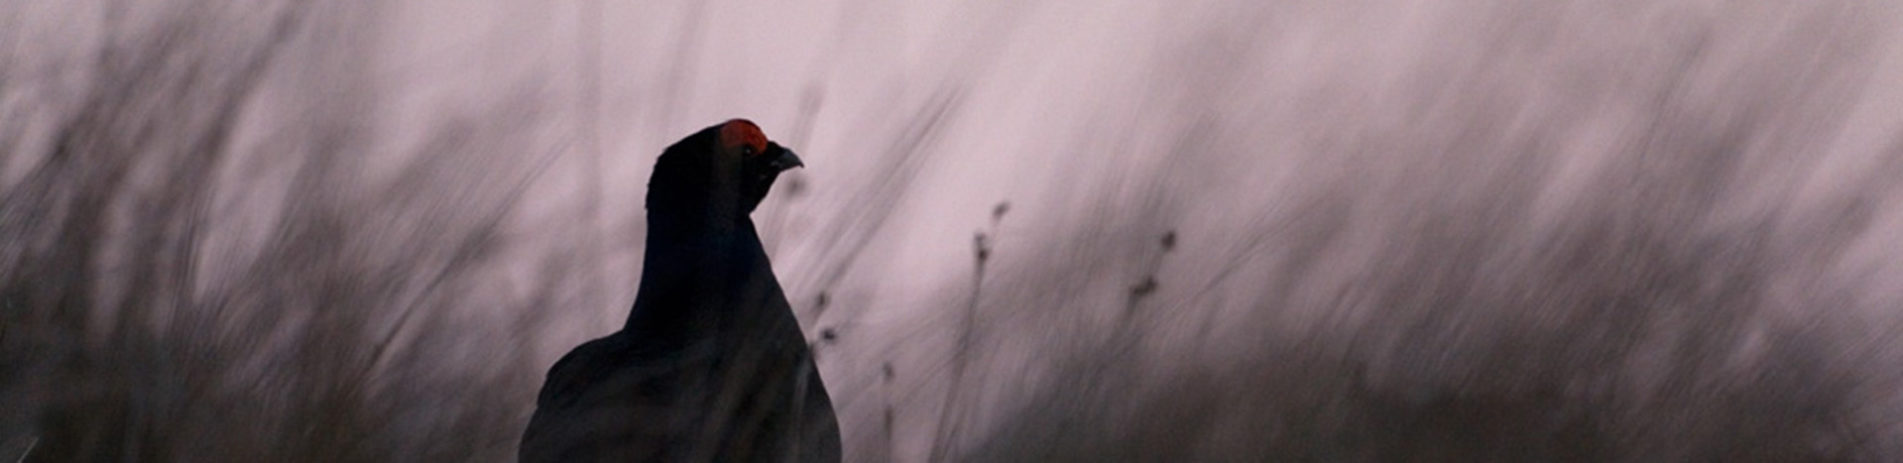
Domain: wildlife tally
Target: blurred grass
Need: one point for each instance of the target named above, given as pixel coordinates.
(1547, 235)
(334, 339)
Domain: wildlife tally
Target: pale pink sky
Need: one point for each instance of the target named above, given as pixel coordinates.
(1227, 120)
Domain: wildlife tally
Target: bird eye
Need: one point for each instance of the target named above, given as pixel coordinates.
(746, 151)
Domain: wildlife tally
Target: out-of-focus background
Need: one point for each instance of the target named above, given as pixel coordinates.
(1221, 230)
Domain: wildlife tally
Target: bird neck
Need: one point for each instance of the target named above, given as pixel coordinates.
(689, 272)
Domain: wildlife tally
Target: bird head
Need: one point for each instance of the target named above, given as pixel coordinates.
(725, 170)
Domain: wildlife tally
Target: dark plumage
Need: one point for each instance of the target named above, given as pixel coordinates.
(711, 365)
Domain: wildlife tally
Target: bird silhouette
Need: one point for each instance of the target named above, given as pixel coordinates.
(711, 365)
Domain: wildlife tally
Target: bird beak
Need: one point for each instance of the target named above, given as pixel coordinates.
(786, 160)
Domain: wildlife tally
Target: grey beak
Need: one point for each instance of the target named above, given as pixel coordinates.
(786, 160)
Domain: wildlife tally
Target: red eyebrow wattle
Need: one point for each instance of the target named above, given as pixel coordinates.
(741, 132)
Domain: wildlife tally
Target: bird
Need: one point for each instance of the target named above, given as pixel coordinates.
(711, 364)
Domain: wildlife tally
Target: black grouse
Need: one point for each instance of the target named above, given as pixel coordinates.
(711, 365)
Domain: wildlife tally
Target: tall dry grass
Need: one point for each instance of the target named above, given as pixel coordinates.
(1263, 231)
